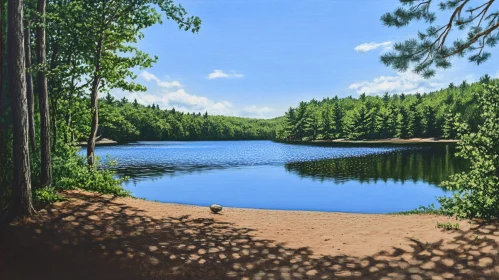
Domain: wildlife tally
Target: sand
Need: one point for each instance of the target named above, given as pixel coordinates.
(390, 141)
(125, 238)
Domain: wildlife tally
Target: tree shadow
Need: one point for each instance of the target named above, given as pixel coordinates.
(94, 237)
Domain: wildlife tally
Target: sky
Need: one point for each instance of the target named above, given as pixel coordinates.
(257, 58)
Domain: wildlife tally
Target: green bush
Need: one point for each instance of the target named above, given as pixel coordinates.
(477, 190)
(70, 171)
(47, 195)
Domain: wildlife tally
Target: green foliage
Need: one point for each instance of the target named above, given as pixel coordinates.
(448, 226)
(435, 114)
(125, 122)
(70, 172)
(422, 210)
(47, 195)
(477, 191)
(432, 48)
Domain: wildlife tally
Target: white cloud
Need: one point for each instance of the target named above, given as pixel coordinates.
(372, 46)
(256, 112)
(407, 83)
(218, 74)
(170, 95)
(173, 95)
(151, 77)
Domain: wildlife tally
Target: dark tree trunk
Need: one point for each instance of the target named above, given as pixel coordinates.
(94, 106)
(29, 89)
(41, 55)
(3, 145)
(54, 96)
(54, 125)
(21, 188)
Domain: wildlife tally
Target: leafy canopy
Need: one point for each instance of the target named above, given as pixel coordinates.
(432, 49)
(477, 191)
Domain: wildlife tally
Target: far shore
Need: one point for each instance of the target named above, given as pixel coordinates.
(100, 142)
(388, 141)
(93, 236)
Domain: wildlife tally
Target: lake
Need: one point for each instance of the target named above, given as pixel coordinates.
(269, 175)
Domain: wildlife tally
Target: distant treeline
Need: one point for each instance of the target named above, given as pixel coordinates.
(435, 114)
(125, 121)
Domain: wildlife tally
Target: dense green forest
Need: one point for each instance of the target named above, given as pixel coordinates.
(125, 121)
(434, 114)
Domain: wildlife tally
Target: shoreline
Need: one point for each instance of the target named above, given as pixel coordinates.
(128, 238)
(101, 142)
(388, 141)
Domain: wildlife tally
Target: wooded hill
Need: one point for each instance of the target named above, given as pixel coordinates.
(434, 114)
(125, 121)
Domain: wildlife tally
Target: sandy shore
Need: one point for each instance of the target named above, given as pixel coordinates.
(125, 238)
(391, 140)
(100, 142)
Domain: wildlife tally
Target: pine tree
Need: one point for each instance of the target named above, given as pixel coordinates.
(403, 123)
(21, 188)
(326, 125)
(430, 122)
(337, 115)
(432, 48)
(451, 125)
(300, 129)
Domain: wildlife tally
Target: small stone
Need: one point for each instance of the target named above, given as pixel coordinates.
(215, 208)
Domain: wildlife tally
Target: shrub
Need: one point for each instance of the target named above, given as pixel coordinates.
(70, 171)
(477, 190)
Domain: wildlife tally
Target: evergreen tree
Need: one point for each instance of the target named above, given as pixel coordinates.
(403, 124)
(432, 48)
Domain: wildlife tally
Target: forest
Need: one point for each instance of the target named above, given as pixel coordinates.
(433, 114)
(125, 121)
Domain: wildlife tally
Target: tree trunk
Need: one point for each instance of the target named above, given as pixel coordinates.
(41, 55)
(53, 96)
(94, 106)
(54, 125)
(29, 88)
(3, 144)
(21, 188)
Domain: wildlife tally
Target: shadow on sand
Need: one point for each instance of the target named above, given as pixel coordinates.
(98, 238)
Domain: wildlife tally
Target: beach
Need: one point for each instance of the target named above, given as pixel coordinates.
(93, 236)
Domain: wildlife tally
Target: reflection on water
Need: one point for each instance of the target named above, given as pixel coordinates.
(268, 175)
(431, 164)
(145, 160)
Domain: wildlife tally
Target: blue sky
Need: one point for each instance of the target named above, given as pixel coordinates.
(256, 58)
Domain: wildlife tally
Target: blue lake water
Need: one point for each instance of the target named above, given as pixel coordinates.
(269, 175)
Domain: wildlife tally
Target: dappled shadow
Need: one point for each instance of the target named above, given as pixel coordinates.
(99, 238)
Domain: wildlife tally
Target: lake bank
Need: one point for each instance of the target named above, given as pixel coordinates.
(102, 237)
(100, 142)
(375, 142)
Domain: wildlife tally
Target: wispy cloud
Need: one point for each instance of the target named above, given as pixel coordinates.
(219, 74)
(256, 112)
(171, 94)
(366, 47)
(408, 83)
(151, 77)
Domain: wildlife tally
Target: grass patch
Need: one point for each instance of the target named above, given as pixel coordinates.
(421, 210)
(47, 196)
(448, 226)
